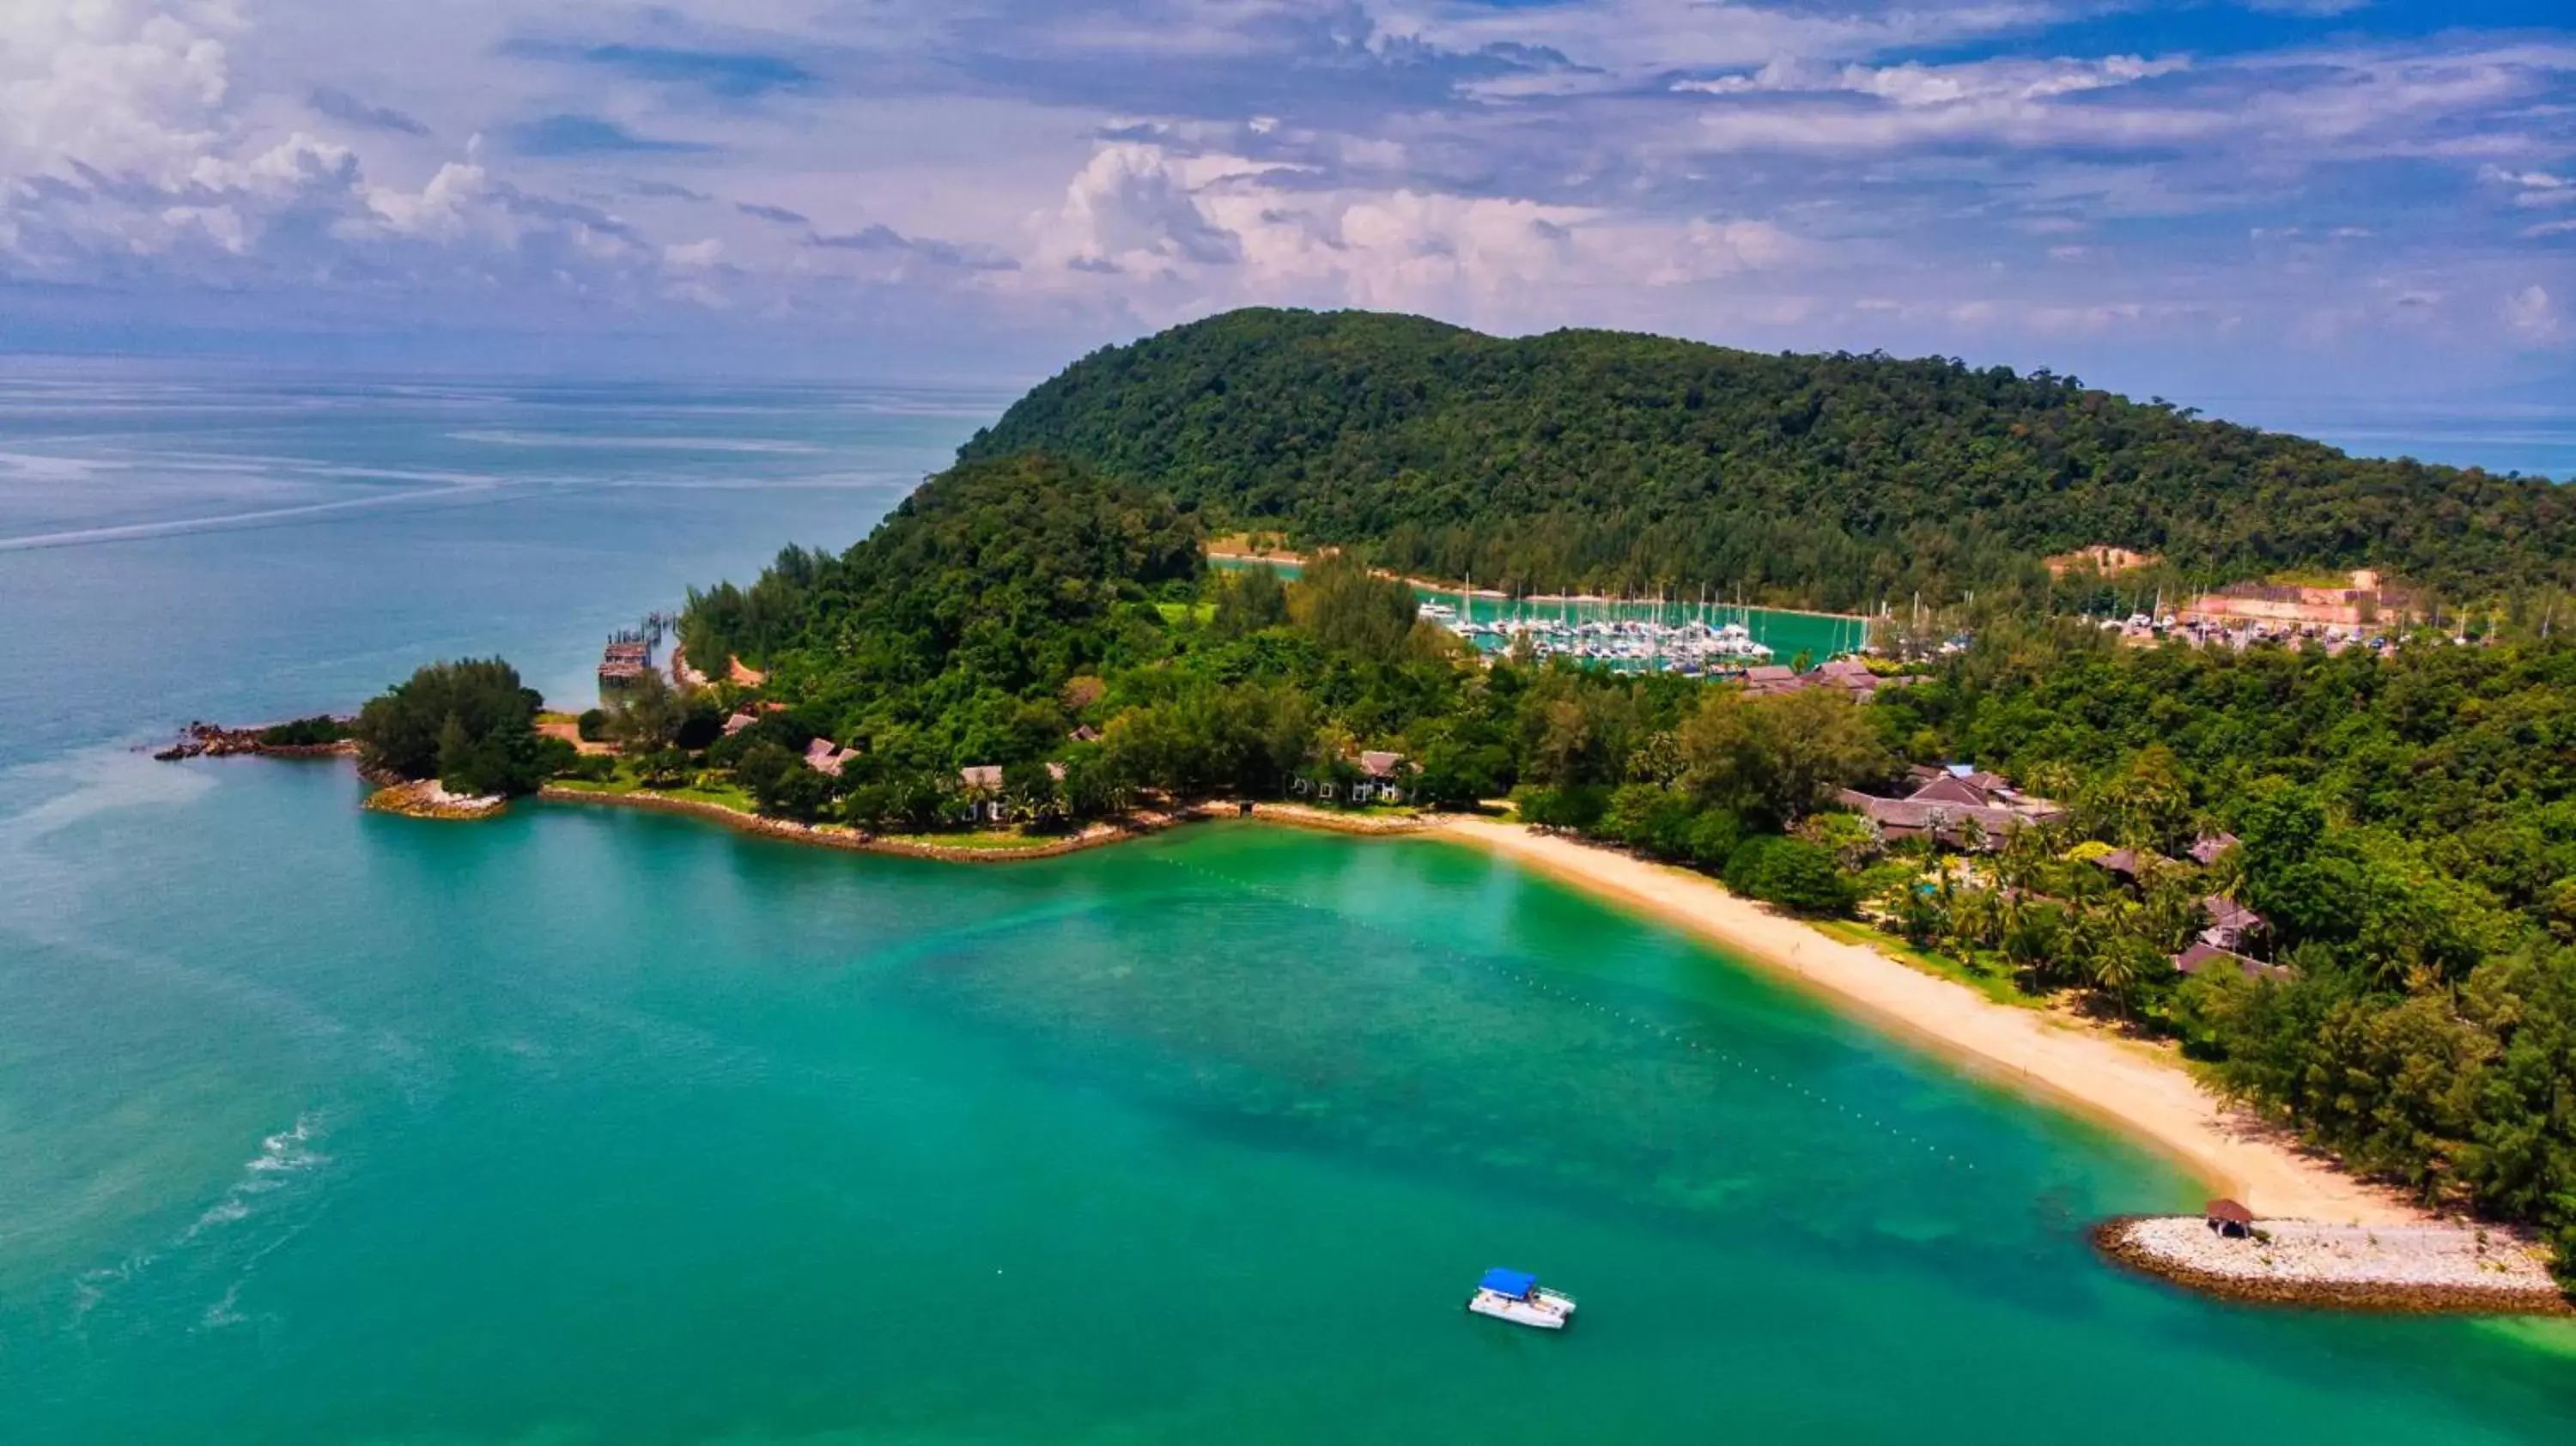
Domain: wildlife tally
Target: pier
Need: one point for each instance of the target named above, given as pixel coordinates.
(629, 654)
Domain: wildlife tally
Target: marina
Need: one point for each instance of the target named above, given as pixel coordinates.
(1695, 637)
(1698, 636)
(1693, 648)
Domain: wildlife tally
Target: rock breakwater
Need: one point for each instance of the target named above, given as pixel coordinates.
(212, 740)
(2432, 1268)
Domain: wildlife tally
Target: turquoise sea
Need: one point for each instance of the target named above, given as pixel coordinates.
(589, 1127)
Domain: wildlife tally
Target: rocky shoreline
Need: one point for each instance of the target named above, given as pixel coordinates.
(209, 740)
(839, 837)
(428, 798)
(2404, 1269)
(1096, 836)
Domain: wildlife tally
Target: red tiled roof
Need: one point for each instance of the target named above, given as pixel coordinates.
(1951, 789)
(2200, 956)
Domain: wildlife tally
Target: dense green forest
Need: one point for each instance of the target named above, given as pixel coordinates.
(2409, 831)
(1620, 462)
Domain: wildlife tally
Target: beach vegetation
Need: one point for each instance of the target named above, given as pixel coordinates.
(1799, 876)
(315, 732)
(471, 724)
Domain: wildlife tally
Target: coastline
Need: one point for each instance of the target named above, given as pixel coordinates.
(2131, 1087)
(2126, 1085)
(1099, 835)
(839, 837)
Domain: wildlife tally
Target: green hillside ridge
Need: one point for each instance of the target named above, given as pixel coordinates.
(1608, 461)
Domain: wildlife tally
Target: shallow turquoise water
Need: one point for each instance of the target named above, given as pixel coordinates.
(584, 1126)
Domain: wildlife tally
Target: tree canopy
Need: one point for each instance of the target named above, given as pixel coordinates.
(470, 724)
(1591, 459)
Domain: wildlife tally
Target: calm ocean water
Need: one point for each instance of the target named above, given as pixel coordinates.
(582, 1127)
(2534, 438)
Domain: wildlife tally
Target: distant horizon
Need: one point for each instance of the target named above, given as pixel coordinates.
(2477, 429)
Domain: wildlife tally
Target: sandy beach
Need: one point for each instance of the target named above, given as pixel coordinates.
(2128, 1085)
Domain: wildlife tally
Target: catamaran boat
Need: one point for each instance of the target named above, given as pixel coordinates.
(1516, 1296)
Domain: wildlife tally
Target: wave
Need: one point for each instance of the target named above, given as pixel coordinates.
(228, 521)
(45, 467)
(758, 445)
(282, 1156)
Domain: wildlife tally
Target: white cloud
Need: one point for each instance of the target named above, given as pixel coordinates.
(128, 87)
(2533, 188)
(1189, 231)
(1917, 84)
(1703, 166)
(694, 255)
(2531, 315)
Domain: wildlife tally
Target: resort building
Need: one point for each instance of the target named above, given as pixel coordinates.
(2203, 955)
(2224, 942)
(2127, 865)
(2232, 929)
(1946, 802)
(824, 756)
(982, 785)
(1384, 780)
(1850, 675)
(2231, 924)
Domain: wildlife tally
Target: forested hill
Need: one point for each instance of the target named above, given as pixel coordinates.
(1619, 461)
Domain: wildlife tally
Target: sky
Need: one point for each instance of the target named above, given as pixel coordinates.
(2336, 199)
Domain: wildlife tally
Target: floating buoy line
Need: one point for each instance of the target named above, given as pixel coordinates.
(1547, 988)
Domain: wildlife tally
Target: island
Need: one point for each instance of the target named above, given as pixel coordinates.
(2290, 898)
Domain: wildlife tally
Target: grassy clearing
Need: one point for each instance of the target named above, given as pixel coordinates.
(992, 840)
(624, 785)
(1987, 978)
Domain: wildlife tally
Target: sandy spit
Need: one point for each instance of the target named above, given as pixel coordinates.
(2128, 1085)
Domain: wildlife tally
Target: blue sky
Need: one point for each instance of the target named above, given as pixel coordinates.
(2337, 199)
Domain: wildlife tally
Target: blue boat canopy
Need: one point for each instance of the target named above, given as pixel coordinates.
(1510, 1282)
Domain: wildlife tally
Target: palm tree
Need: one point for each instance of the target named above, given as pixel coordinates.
(2118, 968)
